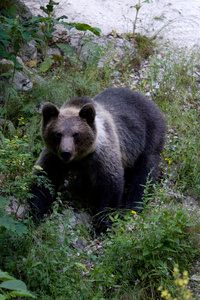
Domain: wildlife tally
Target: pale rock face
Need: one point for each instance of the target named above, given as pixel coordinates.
(177, 20)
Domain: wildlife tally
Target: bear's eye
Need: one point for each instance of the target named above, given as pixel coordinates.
(76, 136)
(58, 135)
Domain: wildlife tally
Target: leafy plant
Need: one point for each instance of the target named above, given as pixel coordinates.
(13, 34)
(138, 7)
(7, 222)
(58, 259)
(180, 282)
(173, 81)
(11, 287)
(145, 248)
(47, 25)
(55, 265)
(15, 163)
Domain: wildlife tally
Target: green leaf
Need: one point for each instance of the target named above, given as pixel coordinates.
(4, 276)
(81, 266)
(4, 201)
(45, 65)
(20, 228)
(62, 17)
(84, 27)
(66, 48)
(14, 284)
(81, 27)
(44, 9)
(168, 249)
(24, 293)
(68, 26)
(38, 168)
(2, 51)
(49, 8)
(2, 297)
(36, 264)
(7, 75)
(145, 252)
(9, 223)
(48, 34)
(4, 35)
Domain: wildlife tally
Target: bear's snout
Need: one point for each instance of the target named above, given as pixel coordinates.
(66, 155)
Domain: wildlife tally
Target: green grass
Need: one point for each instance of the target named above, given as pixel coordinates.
(59, 259)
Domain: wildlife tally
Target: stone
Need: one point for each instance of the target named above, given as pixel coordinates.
(22, 82)
(53, 51)
(29, 51)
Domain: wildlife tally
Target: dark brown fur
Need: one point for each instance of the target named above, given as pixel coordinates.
(114, 139)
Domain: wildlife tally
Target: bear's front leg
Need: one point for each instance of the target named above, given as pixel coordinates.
(46, 183)
(107, 178)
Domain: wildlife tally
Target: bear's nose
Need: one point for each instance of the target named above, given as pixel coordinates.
(65, 155)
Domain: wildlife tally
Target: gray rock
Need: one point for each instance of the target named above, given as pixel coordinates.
(110, 49)
(29, 51)
(195, 278)
(22, 82)
(14, 207)
(53, 51)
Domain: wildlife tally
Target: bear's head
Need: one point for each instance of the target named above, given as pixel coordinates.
(69, 133)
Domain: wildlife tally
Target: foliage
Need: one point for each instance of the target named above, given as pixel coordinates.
(143, 249)
(137, 8)
(55, 265)
(14, 34)
(172, 81)
(47, 26)
(17, 287)
(58, 259)
(15, 161)
(8, 223)
(182, 292)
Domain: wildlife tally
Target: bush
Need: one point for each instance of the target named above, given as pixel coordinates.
(143, 250)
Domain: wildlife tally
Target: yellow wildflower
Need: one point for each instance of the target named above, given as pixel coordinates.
(165, 294)
(168, 160)
(176, 271)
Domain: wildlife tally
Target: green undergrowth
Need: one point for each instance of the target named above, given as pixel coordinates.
(176, 90)
(59, 259)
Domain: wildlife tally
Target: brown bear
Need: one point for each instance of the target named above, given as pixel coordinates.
(112, 140)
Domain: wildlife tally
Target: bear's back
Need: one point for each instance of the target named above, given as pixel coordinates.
(77, 102)
(139, 123)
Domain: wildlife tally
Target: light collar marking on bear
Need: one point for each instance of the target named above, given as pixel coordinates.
(101, 131)
(105, 133)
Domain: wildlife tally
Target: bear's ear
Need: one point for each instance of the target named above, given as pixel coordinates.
(88, 113)
(49, 111)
